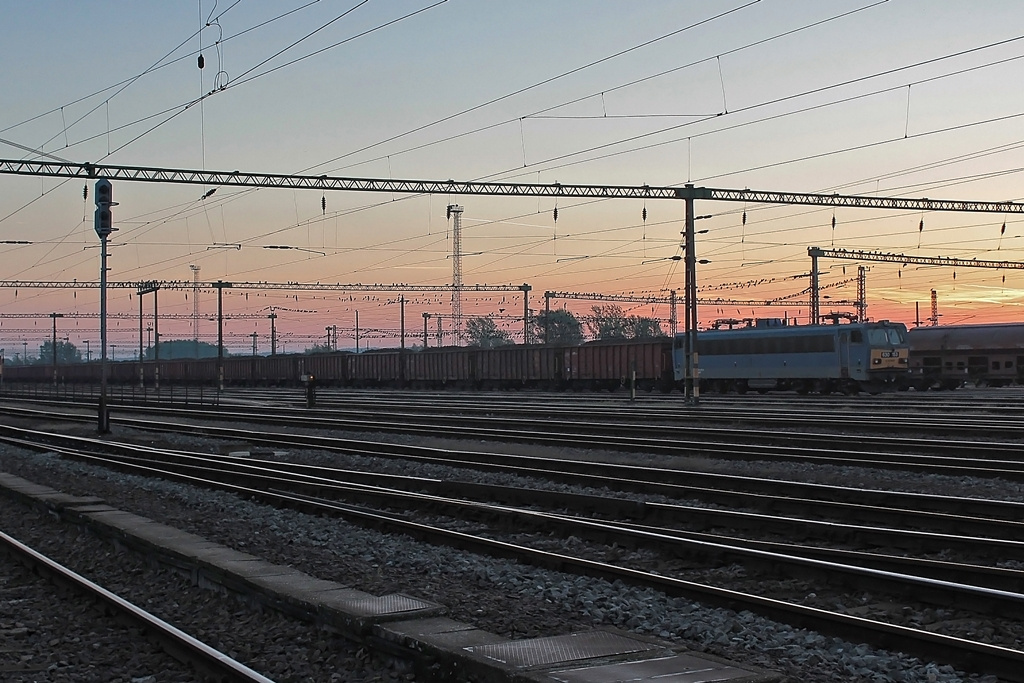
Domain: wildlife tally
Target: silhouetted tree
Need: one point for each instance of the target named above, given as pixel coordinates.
(66, 353)
(610, 322)
(483, 332)
(558, 327)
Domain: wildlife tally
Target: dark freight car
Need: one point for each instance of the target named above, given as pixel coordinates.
(946, 356)
(374, 368)
(514, 367)
(439, 368)
(611, 365)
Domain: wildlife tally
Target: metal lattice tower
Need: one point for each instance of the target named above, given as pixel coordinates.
(455, 212)
(195, 303)
(862, 289)
(935, 309)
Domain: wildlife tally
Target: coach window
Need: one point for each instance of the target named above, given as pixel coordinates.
(995, 365)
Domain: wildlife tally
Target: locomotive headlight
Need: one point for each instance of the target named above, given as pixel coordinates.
(876, 361)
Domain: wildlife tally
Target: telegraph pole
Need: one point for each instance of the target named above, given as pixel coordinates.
(220, 285)
(691, 387)
(55, 316)
(273, 333)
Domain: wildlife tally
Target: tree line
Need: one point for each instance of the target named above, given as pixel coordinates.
(608, 322)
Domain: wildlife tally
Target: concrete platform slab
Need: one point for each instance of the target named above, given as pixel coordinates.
(293, 583)
(437, 633)
(676, 668)
(392, 605)
(534, 652)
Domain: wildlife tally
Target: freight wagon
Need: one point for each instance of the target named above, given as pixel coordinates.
(947, 356)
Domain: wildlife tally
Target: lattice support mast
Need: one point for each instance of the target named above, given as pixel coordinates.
(862, 290)
(195, 303)
(455, 213)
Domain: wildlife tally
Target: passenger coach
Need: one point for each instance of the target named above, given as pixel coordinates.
(823, 358)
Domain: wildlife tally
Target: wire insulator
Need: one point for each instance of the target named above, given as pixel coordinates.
(744, 217)
(85, 195)
(643, 214)
(920, 227)
(833, 221)
(1003, 231)
(202, 62)
(323, 204)
(555, 214)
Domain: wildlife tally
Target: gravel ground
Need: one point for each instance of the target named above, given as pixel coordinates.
(498, 596)
(62, 637)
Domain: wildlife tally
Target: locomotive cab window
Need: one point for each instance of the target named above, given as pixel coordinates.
(856, 337)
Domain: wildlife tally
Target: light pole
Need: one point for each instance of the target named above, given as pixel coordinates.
(220, 285)
(151, 288)
(401, 301)
(526, 312)
(273, 333)
(54, 316)
(88, 356)
(426, 317)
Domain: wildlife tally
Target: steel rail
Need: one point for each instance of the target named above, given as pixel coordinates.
(370, 485)
(672, 440)
(590, 435)
(670, 421)
(849, 502)
(175, 642)
(985, 657)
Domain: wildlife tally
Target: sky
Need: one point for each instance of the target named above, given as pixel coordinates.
(890, 98)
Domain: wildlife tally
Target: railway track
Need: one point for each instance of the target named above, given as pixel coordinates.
(190, 651)
(277, 482)
(954, 457)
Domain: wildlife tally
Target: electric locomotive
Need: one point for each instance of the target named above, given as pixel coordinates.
(771, 355)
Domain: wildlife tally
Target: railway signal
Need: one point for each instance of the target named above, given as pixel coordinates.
(104, 225)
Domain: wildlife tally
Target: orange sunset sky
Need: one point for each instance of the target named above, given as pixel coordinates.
(893, 98)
